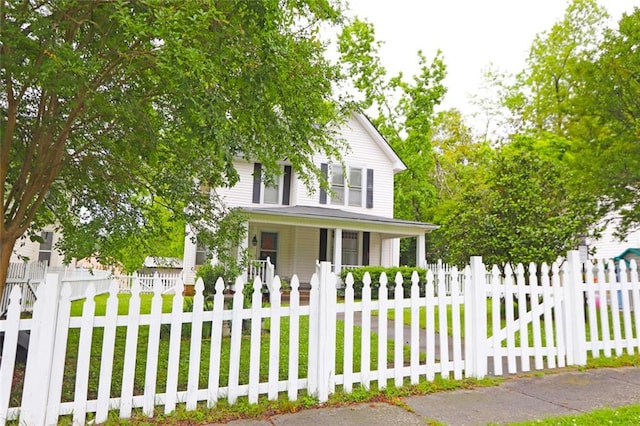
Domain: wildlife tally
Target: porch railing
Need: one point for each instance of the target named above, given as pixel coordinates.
(263, 269)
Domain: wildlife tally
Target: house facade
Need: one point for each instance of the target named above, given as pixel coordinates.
(351, 225)
(39, 251)
(609, 246)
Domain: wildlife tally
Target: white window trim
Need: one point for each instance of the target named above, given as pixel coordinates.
(330, 245)
(347, 186)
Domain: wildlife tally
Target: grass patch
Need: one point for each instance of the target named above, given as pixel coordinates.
(606, 416)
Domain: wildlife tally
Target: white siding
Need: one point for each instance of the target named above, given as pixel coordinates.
(609, 246)
(366, 154)
(25, 248)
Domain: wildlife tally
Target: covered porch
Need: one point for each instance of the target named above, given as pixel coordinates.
(295, 238)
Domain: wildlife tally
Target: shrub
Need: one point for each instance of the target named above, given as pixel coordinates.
(210, 275)
(376, 271)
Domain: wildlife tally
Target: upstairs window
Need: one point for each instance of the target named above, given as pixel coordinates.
(276, 192)
(346, 193)
(46, 245)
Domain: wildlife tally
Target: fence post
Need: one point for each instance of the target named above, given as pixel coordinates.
(326, 319)
(574, 309)
(39, 362)
(475, 300)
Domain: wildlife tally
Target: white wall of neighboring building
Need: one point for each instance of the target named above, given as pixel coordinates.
(609, 246)
(25, 249)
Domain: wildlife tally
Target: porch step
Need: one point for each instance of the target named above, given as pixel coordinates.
(304, 297)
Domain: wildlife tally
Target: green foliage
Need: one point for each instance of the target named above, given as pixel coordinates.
(522, 213)
(404, 113)
(113, 108)
(376, 271)
(210, 275)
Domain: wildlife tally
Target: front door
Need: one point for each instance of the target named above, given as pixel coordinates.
(269, 247)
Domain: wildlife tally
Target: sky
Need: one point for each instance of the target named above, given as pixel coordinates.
(472, 35)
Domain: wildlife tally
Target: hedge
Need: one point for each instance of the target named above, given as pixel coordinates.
(376, 271)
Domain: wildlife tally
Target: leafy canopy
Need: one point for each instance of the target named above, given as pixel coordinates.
(113, 110)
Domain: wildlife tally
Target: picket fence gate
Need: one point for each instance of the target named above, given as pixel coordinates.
(567, 309)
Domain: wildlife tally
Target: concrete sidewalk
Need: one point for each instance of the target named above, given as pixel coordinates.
(517, 399)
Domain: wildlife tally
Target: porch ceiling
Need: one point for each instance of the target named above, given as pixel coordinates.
(323, 217)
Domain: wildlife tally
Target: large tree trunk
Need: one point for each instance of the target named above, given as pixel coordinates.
(6, 248)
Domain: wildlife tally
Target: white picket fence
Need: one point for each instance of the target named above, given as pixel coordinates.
(533, 317)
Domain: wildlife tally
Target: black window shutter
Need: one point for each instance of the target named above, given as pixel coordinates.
(366, 241)
(369, 188)
(324, 168)
(322, 255)
(286, 187)
(257, 181)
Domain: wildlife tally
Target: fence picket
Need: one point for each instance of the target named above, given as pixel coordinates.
(382, 331)
(108, 348)
(314, 329)
(84, 357)
(535, 308)
(130, 351)
(497, 289)
(522, 311)
(153, 347)
(195, 346)
(294, 338)
(236, 341)
(430, 333)
(508, 299)
(614, 299)
(365, 336)
(173, 361)
(256, 342)
(348, 334)
(274, 340)
(9, 349)
(626, 312)
(443, 325)
(398, 347)
(455, 324)
(603, 291)
(635, 291)
(592, 313)
(559, 314)
(415, 329)
(216, 343)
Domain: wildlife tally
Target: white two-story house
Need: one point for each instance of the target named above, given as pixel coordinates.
(350, 225)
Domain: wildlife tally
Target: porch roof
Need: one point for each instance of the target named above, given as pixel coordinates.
(324, 217)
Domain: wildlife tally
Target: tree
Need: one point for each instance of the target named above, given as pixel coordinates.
(608, 123)
(523, 212)
(544, 92)
(404, 116)
(114, 110)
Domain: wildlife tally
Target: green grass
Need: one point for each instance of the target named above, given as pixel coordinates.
(606, 416)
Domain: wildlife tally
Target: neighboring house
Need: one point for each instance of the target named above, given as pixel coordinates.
(161, 265)
(351, 225)
(609, 246)
(27, 250)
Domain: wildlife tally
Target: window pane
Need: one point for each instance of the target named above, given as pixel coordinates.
(336, 175)
(349, 248)
(338, 196)
(355, 197)
(271, 194)
(355, 178)
(47, 241)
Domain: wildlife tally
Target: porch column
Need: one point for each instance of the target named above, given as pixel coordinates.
(337, 251)
(420, 251)
(189, 256)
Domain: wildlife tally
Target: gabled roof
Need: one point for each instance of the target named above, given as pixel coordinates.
(397, 163)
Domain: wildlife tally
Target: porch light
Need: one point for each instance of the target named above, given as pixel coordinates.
(254, 241)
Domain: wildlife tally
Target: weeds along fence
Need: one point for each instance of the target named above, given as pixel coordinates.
(146, 354)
